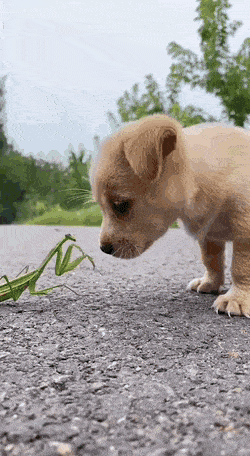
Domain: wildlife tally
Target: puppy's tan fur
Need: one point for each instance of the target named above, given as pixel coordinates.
(153, 171)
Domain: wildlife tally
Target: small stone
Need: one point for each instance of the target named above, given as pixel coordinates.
(63, 449)
(9, 447)
(2, 396)
(96, 386)
(161, 452)
(44, 385)
(3, 354)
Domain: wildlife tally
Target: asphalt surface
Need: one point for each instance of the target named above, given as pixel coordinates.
(134, 366)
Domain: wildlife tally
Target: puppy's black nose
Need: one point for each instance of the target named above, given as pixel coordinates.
(107, 248)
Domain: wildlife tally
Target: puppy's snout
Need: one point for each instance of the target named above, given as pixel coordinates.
(107, 248)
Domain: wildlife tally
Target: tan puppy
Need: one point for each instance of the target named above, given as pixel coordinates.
(153, 171)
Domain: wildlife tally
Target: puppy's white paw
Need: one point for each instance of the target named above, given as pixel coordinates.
(234, 302)
(203, 285)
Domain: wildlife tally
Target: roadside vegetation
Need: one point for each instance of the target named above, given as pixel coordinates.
(56, 216)
(35, 191)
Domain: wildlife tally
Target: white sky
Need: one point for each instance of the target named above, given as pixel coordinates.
(69, 61)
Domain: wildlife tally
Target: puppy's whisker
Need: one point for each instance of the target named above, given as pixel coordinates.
(132, 254)
(119, 250)
(82, 195)
(137, 249)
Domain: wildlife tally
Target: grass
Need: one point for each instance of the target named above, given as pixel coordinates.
(85, 217)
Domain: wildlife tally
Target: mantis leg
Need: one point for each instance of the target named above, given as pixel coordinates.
(11, 292)
(26, 268)
(63, 265)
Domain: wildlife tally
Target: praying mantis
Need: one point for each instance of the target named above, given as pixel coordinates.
(14, 288)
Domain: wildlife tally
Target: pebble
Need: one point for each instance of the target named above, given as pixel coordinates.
(63, 449)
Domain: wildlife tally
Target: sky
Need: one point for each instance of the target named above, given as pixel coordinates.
(67, 62)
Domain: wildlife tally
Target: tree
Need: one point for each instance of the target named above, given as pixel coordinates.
(10, 193)
(11, 190)
(190, 115)
(114, 126)
(134, 105)
(219, 72)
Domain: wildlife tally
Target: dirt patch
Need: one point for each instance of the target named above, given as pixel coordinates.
(134, 367)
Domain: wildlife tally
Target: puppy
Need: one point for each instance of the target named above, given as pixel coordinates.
(153, 171)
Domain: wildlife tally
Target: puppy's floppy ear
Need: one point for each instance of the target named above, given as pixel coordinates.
(146, 151)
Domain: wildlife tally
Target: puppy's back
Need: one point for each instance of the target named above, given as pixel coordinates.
(218, 147)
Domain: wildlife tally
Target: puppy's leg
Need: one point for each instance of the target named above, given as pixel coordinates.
(237, 300)
(213, 258)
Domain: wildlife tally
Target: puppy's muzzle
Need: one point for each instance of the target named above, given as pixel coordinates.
(120, 250)
(124, 249)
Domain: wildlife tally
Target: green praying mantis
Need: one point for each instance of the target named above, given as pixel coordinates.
(14, 288)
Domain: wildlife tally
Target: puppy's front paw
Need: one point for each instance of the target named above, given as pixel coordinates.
(204, 285)
(234, 302)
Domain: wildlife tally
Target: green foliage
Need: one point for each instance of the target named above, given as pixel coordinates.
(190, 115)
(3, 142)
(50, 184)
(34, 186)
(214, 33)
(188, 70)
(91, 216)
(29, 187)
(133, 106)
(10, 193)
(78, 188)
(220, 72)
(39, 182)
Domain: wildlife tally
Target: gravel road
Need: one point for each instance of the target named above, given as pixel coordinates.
(135, 366)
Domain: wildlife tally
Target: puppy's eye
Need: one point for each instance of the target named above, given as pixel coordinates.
(121, 207)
